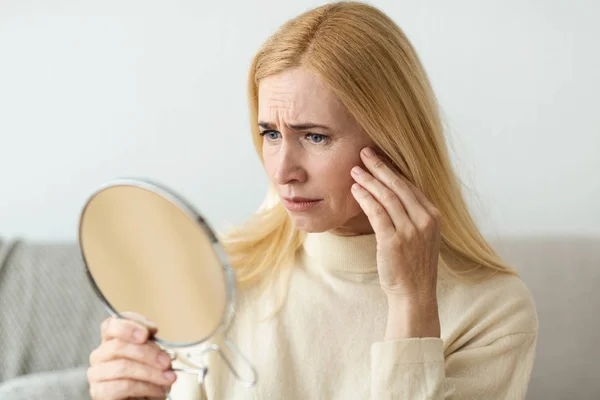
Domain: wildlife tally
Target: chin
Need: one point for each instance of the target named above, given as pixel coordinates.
(316, 223)
(312, 224)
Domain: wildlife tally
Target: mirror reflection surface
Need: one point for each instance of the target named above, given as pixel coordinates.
(149, 253)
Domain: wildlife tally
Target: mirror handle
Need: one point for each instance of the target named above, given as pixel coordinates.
(233, 348)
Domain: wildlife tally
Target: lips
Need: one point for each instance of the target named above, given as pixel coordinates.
(298, 203)
(298, 199)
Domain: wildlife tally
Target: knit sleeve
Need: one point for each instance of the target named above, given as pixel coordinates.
(417, 369)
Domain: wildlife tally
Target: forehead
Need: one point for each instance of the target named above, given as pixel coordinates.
(298, 96)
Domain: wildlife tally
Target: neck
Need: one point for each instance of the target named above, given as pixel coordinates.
(353, 254)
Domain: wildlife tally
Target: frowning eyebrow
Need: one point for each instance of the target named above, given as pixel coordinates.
(297, 127)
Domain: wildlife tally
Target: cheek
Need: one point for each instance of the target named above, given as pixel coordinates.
(339, 183)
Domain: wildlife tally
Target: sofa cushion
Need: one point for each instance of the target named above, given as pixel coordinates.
(563, 275)
(50, 317)
(69, 384)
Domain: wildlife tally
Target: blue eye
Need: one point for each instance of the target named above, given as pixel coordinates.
(316, 137)
(270, 134)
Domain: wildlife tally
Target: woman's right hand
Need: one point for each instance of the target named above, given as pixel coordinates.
(127, 364)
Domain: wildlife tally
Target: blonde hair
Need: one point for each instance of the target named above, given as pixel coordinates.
(370, 65)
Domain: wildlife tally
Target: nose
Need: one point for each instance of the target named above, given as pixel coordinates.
(289, 168)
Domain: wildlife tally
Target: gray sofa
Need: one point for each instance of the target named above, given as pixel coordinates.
(49, 321)
(50, 317)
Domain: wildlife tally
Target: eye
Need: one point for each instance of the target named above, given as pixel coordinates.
(270, 134)
(316, 137)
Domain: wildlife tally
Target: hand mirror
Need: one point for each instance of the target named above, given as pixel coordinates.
(147, 250)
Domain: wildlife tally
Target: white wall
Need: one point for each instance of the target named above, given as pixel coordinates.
(90, 91)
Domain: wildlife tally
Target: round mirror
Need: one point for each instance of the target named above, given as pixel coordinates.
(148, 251)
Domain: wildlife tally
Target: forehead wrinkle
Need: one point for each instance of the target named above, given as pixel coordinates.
(285, 106)
(280, 98)
(297, 101)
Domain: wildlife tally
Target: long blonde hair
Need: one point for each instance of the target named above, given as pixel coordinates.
(371, 66)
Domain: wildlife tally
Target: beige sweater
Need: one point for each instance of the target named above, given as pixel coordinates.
(327, 342)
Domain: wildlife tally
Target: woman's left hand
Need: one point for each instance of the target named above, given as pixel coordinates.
(407, 229)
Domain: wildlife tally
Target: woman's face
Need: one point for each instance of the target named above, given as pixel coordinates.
(310, 144)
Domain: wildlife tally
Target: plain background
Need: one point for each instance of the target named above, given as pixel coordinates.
(94, 90)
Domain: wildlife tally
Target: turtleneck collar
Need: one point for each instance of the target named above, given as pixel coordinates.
(342, 254)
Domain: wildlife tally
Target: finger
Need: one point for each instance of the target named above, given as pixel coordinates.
(142, 319)
(396, 183)
(127, 369)
(148, 353)
(127, 330)
(421, 197)
(433, 211)
(127, 388)
(378, 216)
(383, 195)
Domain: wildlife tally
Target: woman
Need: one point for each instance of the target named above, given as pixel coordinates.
(364, 275)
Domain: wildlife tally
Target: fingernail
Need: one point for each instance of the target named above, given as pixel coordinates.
(149, 322)
(356, 170)
(169, 375)
(368, 152)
